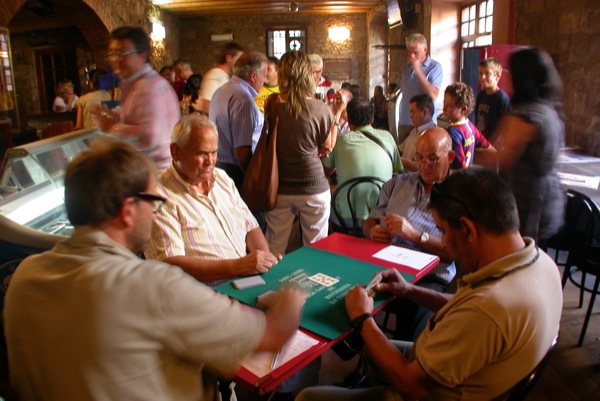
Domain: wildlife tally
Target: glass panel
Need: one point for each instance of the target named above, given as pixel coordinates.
(472, 12)
(472, 28)
(489, 24)
(484, 40)
(465, 14)
(464, 30)
(482, 9)
(481, 25)
(490, 7)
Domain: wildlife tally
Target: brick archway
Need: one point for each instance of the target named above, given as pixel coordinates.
(94, 18)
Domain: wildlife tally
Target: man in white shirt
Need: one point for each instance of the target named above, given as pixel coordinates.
(218, 76)
(421, 113)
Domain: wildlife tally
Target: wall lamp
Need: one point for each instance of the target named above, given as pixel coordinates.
(339, 34)
(158, 32)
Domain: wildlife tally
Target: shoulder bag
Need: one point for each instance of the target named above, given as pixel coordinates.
(261, 182)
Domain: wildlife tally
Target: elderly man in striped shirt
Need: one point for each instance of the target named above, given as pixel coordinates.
(402, 218)
(205, 227)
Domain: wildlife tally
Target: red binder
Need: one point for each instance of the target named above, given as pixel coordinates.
(363, 250)
(277, 376)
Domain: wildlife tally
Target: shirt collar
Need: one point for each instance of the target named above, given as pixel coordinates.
(245, 84)
(503, 266)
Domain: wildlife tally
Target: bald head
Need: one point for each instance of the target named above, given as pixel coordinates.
(434, 155)
(438, 138)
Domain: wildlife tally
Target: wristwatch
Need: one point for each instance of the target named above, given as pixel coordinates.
(424, 237)
(357, 323)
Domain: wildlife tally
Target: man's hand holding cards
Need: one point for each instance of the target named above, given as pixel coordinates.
(370, 288)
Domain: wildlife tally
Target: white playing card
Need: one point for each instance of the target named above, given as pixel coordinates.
(323, 279)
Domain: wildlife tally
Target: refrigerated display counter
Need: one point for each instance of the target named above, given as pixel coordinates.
(32, 212)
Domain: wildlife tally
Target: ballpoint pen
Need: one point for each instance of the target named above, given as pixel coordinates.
(275, 359)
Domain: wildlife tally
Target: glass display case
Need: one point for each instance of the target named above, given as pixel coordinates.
(32, 188)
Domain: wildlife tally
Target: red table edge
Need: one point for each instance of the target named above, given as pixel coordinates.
(271, 381)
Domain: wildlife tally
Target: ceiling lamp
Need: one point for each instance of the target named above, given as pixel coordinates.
(339, 34)
(293, 7)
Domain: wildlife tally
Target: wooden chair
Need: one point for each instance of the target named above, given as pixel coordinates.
(59, 128)
(583, 231)
(354, 226)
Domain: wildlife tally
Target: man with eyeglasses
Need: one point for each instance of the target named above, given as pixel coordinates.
(487, 337)
(90, 320)
(206, 228)
(149, 107)
(401, 218)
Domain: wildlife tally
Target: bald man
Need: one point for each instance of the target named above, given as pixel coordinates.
(402, 218)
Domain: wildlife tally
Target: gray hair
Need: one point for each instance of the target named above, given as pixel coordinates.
(416, 38)
(248, 63)
(315, 59)
(183, 129)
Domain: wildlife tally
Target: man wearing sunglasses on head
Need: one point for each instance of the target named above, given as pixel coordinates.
(401, 218)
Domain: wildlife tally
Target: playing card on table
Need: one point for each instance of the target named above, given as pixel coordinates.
(323, 279)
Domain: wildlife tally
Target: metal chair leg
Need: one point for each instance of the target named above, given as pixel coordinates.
(582, 289)
(589, 311)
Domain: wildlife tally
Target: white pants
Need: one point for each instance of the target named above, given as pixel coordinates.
(314, 219)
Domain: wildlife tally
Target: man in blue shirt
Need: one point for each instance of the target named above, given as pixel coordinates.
(420, 74)
(238, 119)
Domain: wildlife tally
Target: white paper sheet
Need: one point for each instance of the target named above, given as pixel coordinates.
(260, 363)
(575, 180)
(405, 257)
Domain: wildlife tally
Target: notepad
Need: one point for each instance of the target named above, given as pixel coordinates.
(260, 362)
(405, 257)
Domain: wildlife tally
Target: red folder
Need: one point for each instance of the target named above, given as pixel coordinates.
(277, 376)
(363, 250)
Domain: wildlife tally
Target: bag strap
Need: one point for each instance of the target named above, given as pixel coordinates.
(378, 142)
(271, 110)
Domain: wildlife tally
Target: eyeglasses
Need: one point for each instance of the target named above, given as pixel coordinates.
(437, 193)
(430, 160)
(157, 201)
(123, 54)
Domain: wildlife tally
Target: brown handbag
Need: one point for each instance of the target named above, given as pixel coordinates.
(261, 183)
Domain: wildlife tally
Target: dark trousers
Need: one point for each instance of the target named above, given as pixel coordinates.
(411, 319)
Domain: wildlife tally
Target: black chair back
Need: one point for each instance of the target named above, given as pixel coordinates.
(352, 199)
(523, 388)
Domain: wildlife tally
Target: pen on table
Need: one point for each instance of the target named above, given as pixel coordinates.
(275, 359)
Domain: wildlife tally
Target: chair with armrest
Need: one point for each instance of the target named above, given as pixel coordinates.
(522, 389)
(348, 194)
(583, 230)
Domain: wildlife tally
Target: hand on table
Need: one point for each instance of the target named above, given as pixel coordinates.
(257, 262)
(358, 302)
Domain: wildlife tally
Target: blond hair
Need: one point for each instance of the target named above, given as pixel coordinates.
(296, 81)
(493, 64)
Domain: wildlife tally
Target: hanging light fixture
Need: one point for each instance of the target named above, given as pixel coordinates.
(293, 7)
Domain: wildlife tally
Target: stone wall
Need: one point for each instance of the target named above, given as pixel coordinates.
(570, 32)
(250, 32)
(23, 47)
(378, 57)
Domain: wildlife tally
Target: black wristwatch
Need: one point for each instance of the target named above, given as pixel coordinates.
(357, 323)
